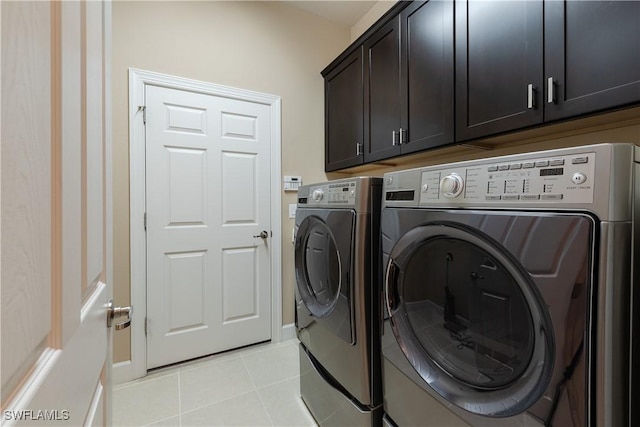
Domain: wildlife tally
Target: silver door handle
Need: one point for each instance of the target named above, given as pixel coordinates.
(550, 94)
(263, 235)
(115, 312)
(530, 98)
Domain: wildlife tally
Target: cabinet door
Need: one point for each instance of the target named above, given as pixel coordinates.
(498, 55)
(427, 75)
(382, 93)
(592, 55)
(344, 114)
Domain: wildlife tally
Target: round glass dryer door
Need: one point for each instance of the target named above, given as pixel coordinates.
(323, 252)
(469, 319)
(319, 262)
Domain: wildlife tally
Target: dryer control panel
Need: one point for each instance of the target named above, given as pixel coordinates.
(342, 193)
(566, 179)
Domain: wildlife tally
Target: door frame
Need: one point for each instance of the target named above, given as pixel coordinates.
(138, 80)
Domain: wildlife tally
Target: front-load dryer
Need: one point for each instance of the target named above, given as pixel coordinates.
(338, 300)
(508, 288)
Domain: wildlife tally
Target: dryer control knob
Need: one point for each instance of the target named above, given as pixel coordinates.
(317, 195)
(451, 185)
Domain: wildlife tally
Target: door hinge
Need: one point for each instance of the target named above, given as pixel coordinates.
(145, 326)
(144, 113)
(145, 221)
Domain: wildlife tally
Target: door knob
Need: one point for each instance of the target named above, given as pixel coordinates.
(263, 235)
(115, 312)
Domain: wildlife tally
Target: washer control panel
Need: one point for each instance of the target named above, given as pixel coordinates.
(342, 193)
(567, 179)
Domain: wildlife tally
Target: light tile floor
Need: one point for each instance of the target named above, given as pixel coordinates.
(254, 386)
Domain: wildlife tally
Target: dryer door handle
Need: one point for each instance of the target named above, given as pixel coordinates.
(391, 286)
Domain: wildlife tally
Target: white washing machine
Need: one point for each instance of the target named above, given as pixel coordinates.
(511, 290)
(337, 256)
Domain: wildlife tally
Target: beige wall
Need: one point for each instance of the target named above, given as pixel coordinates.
(369, 18)
(263, 46)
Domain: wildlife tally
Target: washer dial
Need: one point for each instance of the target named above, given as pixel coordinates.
(451, 185)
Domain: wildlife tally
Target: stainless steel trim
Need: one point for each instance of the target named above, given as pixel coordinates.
(315, 368)
(612, 328)
(550, 96)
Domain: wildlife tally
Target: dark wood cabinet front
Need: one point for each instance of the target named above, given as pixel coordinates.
(382, 93)
(344, 114)
(426, 78)
(514, 64)
(522, 63)
(409, 82)
(592, 56)
(498, 66)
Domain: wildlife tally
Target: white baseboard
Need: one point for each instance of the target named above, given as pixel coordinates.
(288, 332)
(122, 372)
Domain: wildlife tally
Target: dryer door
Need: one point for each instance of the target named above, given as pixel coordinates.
(323, 253)
(469, 318)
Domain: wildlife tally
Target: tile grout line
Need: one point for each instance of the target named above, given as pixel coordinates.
(264, 407)
(244, 365)
(255, 389)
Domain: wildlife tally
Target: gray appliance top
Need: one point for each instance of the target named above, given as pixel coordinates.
(348, 193)
(597, 178)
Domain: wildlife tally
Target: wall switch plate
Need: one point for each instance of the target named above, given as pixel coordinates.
(292, 210)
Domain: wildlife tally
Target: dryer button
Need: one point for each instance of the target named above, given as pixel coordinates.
(578, 178)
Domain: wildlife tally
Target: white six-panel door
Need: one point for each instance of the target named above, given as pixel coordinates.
(208, 200)
(56, 351)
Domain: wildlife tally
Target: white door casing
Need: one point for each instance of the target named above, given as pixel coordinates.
(56, 213)
(139, 80)
(208, 199)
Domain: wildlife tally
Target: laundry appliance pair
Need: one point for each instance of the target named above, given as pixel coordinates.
(506, 289)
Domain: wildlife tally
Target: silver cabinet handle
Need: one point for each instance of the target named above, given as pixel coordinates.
(403, 136)
(358, 149)
(263, 235)
(530, 97)
(394, 137)
(550, 97)
(115, 312)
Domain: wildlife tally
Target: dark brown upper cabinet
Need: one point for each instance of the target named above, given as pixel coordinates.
(522, 63)
(408, 82)
(344, 114)
(592, 56)
(382, 93)
(499, 58)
